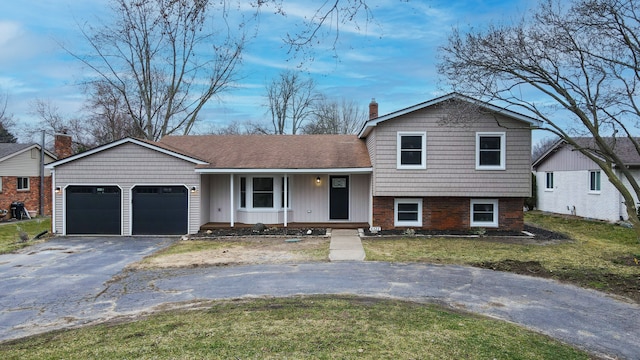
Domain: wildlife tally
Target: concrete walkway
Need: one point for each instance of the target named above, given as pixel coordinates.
(345, 245)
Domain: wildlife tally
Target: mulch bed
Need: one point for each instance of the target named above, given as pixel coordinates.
(244, 232)
(539, 234)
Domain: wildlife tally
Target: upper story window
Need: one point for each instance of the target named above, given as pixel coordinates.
(412, 150)
(549, 184)
(490, 151)
(23, 183)
(594, 181)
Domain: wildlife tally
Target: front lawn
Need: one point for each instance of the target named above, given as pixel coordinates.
(600, 256)
(13, 234)
(320, 327)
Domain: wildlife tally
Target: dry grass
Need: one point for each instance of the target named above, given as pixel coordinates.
(298, 328)
(227, 251)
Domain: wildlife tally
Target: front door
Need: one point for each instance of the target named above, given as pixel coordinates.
(339, 198)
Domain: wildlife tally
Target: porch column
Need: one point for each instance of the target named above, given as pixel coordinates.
(286, 199)
(231, 212)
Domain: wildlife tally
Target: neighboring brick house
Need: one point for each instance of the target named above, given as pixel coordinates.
(449, 163)
(20, 177)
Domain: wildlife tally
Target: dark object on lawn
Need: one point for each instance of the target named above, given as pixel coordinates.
(259, 228)
(41, 234)
(17, 210)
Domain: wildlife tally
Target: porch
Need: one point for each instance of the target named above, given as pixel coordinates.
(294, 225)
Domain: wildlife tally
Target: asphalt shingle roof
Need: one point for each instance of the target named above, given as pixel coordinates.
(274, 151)
(7, 149)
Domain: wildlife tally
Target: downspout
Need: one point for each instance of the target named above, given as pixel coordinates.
(232, 222)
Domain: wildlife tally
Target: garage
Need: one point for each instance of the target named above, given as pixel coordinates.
(93, 210)
(160, 210)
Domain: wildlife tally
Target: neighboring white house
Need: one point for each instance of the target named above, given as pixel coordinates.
(568, 182)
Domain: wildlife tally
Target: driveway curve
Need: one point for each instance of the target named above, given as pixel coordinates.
(587, 319)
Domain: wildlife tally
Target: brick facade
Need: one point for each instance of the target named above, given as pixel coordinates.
(30, 198)
(451, 213)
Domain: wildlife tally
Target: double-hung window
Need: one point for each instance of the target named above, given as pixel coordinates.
(23, 183)
(549, 183)
(408, 212)
(594, 181)
(484, 213)
(490, 151)
(412, 150)
(262, 192)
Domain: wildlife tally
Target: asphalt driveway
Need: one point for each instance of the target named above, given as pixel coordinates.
(68, 282)
(53, 284)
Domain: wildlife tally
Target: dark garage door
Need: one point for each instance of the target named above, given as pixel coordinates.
(93, 210)
(160, 210)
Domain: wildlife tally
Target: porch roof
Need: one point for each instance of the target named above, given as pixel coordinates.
(275, 153)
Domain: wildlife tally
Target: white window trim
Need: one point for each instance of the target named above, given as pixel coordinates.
(407, 201)
(493, 223)
(1, 179)
(28, 183)
(503, 151)
(399, 136)
(600, 178)
(546, 181)
(277, 189)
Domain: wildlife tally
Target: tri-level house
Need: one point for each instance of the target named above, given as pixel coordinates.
(451, 163)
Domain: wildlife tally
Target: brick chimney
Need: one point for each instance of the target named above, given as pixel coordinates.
(373, 109)
(62, 145)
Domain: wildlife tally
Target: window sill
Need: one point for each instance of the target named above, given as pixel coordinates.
(548, 190)
(484, 225)
(485, 168)
(407, 225)
(411, 167)
(594, 192)
(262, 210)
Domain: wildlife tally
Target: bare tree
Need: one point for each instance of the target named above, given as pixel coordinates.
(107, 119)
(542, 147)
(165, 59)
(53, 122)
(290, 100)
(6, 121)
(333, 117)
(575, 66)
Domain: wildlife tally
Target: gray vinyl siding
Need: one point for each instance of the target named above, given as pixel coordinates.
(372, 149)
(566, 159)
(128, 165)
(450, 158)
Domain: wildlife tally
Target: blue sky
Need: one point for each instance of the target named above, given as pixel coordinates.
(391, 58)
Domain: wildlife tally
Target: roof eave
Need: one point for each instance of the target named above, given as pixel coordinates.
(27, 149)
(352, 170)
(120, 142)
(369, 125)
